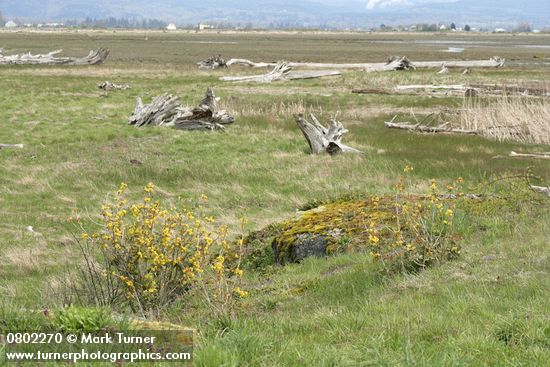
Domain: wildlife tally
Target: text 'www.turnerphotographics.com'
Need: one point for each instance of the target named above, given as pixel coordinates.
(111, 346)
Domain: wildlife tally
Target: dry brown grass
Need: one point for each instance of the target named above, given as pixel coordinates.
(525, 120)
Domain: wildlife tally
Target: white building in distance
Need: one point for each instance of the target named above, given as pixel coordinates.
(171, 27)
(203, 26)
(10, 24)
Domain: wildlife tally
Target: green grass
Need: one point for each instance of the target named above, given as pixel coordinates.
(488, 308)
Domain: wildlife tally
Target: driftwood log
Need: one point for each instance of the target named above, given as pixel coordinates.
(541, 189)
(543, 155)
(167, 111)
(94, 57)
(282, 71)
(443, 128)
(323, 139)
(106, 85)
(395, 63)
(2, 146)
(470, 90)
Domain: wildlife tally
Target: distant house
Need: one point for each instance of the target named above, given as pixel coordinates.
(171, 27)
(443, 27)
(500, 30)
(203, 26)
(10, 24)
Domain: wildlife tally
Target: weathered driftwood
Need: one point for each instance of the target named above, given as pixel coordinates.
(161, 110)
(541, 189)
(470, 90)
(395, 63)
(11, 146)
(443, 128)
(106, 85)
(279, 72)
(94, 57)
(213, 62)
(420, 89)
(511, 89)
(493, 62)
(282, 71)
(542, 155)
(207, 116)
(293, 75)
(323, 139)
(167, 111)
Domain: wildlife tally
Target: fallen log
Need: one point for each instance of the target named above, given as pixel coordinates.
(493, 62)
(323, 139)
(395, 63)
(512, 89)
(373, 91)
(279, 72)
(167, 111)
(294, 75)
(541, 189)
(94, 57)
(470, 90)
(106, 85)
(11, 146)
(443, 128)
(282, 71)
(543, 155)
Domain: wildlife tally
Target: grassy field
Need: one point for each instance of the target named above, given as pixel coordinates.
(489, 308)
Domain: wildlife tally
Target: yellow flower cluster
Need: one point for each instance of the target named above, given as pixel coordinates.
(157, 254)
(422, 230)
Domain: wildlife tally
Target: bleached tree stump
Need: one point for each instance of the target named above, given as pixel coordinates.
(213, 62)
(323, 139)
(167, 111)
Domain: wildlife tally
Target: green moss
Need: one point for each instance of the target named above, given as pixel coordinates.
(344, 224)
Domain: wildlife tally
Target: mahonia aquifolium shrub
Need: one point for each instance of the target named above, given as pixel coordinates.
(150, 256)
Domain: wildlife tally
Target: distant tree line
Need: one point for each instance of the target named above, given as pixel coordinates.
(113, 22)
(2, 22)
(422, 27)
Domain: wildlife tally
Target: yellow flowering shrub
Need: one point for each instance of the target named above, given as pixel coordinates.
(150, 255)
(423, 231)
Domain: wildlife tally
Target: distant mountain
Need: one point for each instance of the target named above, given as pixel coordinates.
(336, 13)
(482, 12)
(188, 11)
